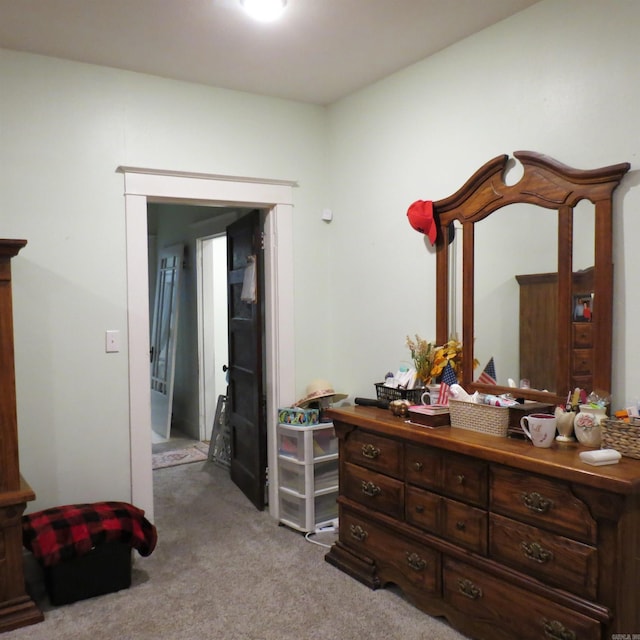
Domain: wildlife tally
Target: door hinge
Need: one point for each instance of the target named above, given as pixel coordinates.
(262, 240)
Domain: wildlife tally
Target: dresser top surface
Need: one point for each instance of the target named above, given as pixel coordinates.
(561, 460)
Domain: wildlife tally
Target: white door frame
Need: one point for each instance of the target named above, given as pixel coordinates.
(276, 197)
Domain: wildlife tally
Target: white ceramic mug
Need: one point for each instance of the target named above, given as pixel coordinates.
(540, 428)
(431, 396)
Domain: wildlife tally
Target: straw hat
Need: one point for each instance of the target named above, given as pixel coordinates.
(318, 389)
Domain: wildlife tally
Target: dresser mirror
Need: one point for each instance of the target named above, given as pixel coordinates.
(547, 231)
(497, 306)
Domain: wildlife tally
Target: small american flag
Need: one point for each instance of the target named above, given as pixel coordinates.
(448, 378)
(488, 376)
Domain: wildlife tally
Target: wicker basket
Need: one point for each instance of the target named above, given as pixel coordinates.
(389, 393)
(621, 436)
(484, 418)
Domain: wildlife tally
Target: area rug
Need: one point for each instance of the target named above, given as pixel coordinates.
(196, 453)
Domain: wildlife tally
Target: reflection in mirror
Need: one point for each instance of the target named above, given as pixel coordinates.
(455, 283)
(584, 235)
(498, 259)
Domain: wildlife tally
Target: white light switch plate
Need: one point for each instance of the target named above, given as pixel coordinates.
(112, 341)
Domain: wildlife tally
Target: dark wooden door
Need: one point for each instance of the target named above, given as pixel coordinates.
(246, 403)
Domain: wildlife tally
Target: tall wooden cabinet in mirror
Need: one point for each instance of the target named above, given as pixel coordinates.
(551, 185)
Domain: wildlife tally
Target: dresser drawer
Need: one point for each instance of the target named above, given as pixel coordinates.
(374, 452)
(582, 362)
(422, 509)
(465, 526)
(502, 610)
(554, 559)
(541, 501)
(423, 466)
(374, 490)
(457, 476)
(454, 521)
(466, 479)
(397, 559)
(582, 335)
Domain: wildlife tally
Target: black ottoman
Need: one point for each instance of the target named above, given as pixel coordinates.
(85, 549)
(104, 569)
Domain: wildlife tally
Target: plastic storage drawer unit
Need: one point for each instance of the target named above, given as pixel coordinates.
(307, 475)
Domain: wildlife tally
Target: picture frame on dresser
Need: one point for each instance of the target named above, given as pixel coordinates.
(583, 307)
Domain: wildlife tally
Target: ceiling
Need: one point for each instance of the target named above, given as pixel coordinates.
(319, 52)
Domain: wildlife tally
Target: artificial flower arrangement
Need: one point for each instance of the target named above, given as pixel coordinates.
(430, 360)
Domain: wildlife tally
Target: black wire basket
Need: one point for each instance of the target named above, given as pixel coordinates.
(389, 393)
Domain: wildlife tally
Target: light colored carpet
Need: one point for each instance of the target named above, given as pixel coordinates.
(224, 571)
(196, 453)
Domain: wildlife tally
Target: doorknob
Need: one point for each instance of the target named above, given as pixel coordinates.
(225, 368)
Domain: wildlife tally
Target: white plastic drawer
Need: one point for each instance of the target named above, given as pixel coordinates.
(325, 475)
(293, 510)
(325, 442)
(326, 507)
(292, 475)
(291, 443)
(306, 444)
(306, 514)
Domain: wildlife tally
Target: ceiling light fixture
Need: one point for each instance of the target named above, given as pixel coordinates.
(264, 10)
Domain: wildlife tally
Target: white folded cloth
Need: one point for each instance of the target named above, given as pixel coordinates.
(600, 456)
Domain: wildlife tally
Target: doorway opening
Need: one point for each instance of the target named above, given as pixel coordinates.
(189, 328)
(187, 339)
(213, 347)
(276, 198)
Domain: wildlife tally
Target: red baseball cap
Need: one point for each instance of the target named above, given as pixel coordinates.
(420, 215)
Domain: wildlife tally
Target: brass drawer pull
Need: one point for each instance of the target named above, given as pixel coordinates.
(416, 562)
(536, 502)
(369, 451)
(536, 552)
(460, 526)
(460, 478)
(358, 532)
(419, 508)
(467, 588)
(557, 631)
(418, 466)
(370, 489)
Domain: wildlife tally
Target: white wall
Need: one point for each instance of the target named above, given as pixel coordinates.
(64, 129)
(560, 78)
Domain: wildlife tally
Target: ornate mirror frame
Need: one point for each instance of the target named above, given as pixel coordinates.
(552, 185)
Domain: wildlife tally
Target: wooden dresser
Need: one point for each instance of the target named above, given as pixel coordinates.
(17, 609)
(505, 540)
(538, 317)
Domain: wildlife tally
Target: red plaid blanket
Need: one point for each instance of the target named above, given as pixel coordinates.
(62, 533)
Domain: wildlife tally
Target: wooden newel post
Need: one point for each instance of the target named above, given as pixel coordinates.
(10, 468)
(17, 609)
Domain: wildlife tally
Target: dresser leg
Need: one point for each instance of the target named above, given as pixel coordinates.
(363, 570)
